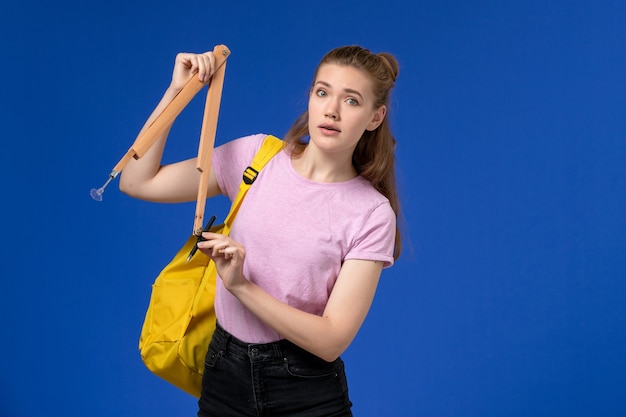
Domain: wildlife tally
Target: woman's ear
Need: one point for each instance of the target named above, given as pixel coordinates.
(377, 118)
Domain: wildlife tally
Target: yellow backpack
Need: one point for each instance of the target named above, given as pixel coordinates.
(180, 320)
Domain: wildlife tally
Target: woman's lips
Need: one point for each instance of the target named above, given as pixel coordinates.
(329, 129)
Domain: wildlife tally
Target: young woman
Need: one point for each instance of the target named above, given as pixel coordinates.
(300, 268)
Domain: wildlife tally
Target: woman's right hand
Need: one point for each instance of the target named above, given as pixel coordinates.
(189, 64)
(147, 178)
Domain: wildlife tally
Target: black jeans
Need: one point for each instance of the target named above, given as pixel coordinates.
(273, 379)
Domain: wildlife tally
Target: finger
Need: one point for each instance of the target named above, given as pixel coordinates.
(207, 64)
(186, 59)
(226, 253)
(211, 250)
(224, 249)
(211, 63)
(209, 60)
(202, 68)
(216, 246)
(234, 252)
(212, 235)
(195, 66)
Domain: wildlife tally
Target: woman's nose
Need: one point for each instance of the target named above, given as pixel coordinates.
(331, 110)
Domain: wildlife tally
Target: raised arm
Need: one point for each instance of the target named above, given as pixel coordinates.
(146, 178)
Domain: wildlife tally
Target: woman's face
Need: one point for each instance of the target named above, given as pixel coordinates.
(341, 108)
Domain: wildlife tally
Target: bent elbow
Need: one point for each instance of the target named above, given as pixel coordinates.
(333, 345)
(331, 353)
(125, 187)
(330, 357)
(129, 187)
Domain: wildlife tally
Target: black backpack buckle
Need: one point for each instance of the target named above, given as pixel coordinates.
(249, 175)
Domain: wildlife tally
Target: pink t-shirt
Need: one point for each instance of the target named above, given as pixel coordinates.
(296, 233)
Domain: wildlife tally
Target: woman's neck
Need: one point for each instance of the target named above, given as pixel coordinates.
(320, 167)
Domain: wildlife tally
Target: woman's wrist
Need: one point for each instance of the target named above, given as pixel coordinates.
(173, 90)
(240, 288)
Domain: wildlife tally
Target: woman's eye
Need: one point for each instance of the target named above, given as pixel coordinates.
(321, 93)
(352, 102)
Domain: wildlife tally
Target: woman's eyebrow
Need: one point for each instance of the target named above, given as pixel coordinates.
(347, 90)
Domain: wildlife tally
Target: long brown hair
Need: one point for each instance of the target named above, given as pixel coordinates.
(373, 157)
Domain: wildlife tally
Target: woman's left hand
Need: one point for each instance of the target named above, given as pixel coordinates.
(228, 256)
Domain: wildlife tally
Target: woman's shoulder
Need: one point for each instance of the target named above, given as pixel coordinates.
(366, 191)
(252, 142)
(240, 150)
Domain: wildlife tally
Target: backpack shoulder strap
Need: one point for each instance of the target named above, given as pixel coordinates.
(271, 146)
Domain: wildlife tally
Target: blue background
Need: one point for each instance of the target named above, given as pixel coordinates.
(510, 297)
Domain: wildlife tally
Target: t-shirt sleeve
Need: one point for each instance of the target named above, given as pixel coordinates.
(376, 240)
(231, 159)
